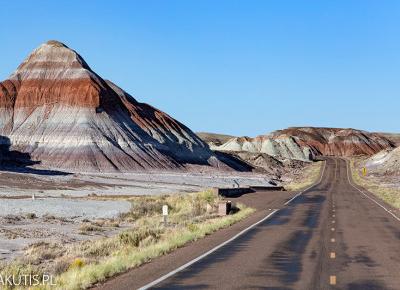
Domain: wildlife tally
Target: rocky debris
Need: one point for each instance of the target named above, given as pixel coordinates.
(386, 162)
(55, 112)
(268, 164)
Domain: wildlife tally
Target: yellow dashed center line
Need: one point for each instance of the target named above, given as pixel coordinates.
(332, 255)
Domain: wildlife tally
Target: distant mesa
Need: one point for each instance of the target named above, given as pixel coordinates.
(55, 108)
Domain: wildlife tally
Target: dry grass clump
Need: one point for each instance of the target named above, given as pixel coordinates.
(37, 261)
(144, 207)
(17, 268)
(309, 176)
(41, 251)
(388, 194)
(135, 238)
(89, 227)
(80, 265)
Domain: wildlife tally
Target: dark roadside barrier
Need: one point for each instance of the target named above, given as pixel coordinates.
(238, 191)
(267, 188)
(233, 191)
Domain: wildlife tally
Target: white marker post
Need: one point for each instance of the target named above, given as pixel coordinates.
(165, 213)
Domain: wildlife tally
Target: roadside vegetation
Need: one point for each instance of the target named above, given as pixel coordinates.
(308, 176)
(82, 264)
(390, 195)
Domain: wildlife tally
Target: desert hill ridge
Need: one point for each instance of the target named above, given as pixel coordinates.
(305, 143)
(65, 116)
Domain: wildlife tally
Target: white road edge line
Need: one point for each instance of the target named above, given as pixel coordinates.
(188, 264)
(166, 276)
(308, 188)
(366, 195)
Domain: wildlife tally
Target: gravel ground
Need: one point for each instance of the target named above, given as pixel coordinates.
(152, 183)
(62, 207)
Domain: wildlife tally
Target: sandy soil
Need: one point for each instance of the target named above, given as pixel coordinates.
(18, 184)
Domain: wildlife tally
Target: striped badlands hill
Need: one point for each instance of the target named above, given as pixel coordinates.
(304, 143)
(337, 141)
(385, 162)
(61, 113)
(281, 147)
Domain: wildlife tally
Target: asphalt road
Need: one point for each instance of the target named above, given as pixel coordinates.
(330, 237)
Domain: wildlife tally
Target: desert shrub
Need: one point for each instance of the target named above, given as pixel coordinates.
(16, 268)
(60, 266)
(42, 251)
(144, 207)
(100, 248)
(88, 227)
(208, 195)
(150, 240)
(31, 215)
(134, 237)
(192, 227)
(199, 203)
(113, 224)
(48, 217)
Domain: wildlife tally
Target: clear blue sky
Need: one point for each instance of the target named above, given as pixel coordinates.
(236, 67)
